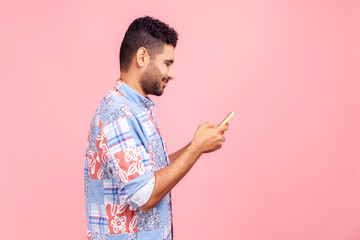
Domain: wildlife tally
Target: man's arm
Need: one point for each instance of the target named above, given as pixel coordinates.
(176, 154)
(207, 138)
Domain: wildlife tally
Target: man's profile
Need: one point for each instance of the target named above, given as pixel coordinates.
(128, 172)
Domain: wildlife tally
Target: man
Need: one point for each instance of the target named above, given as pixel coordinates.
(128, 173)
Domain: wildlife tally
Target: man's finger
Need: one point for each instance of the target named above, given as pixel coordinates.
(223, 128)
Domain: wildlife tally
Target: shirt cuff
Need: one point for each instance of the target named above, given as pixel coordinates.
(142, 196)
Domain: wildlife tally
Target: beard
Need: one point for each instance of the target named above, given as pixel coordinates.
(151, 81)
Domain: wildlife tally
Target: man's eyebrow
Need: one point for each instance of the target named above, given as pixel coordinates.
(169, 60)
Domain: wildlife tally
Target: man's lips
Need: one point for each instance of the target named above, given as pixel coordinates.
(165, 81)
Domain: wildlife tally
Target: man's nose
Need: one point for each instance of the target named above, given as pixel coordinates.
(171, 74)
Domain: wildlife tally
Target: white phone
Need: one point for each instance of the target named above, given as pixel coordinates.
(227, 118)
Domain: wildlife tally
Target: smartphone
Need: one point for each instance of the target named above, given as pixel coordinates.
(227, 118)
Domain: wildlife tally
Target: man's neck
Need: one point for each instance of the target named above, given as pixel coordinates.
(132, 82)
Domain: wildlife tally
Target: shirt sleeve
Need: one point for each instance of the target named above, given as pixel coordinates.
(142, 196)
(131, 159)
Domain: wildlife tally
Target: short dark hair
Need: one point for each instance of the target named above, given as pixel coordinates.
(145, 32)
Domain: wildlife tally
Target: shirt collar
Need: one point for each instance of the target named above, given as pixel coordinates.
(133, 95)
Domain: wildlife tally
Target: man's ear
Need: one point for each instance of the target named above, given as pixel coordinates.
(142, 56)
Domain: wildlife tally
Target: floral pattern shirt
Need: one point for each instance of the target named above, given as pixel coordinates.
(124, 150)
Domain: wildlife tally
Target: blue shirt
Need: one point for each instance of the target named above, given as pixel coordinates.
(124, 150)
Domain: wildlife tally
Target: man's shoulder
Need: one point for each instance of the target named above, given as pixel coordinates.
(113, 107)
(110, 109)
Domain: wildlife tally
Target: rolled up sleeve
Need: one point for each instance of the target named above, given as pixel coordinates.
(142, 196)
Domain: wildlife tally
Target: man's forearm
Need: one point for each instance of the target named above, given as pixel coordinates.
(176, 154)
(166, 178)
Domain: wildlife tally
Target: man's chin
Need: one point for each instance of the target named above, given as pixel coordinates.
(158, 93)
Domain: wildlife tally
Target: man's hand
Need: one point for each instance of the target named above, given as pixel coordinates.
(208, 137)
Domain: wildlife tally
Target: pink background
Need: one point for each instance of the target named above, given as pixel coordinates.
(289, 169)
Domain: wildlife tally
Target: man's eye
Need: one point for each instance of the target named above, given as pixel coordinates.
(167, 64)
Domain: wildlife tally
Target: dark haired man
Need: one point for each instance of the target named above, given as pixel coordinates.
(128, 173)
